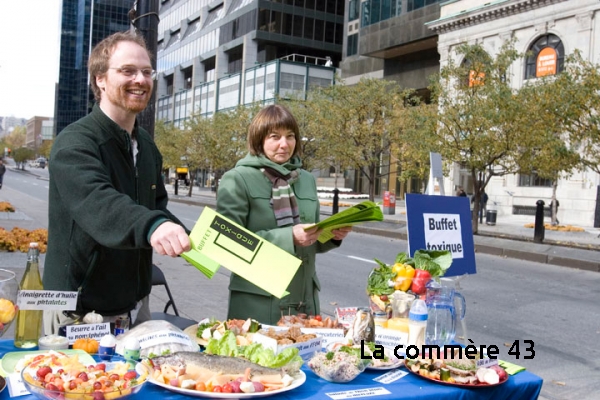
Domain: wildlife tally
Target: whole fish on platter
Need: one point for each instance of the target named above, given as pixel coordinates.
(202, 372)
(214, 363)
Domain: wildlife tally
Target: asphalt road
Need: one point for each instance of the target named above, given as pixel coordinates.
(508, 300)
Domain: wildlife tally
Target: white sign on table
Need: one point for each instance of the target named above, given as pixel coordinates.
(353, 394)
(46, 300)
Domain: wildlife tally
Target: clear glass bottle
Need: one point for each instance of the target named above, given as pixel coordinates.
(29, 322)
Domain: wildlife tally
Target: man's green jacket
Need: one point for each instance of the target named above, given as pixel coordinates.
(102, 211)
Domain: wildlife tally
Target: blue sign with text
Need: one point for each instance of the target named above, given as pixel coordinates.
(442, 223)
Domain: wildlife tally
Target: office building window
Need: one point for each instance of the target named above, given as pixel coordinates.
(534, 180)
(187, 78)
(353, 10)
(309, 24)
(169, 84)
(235, 58)
(352, 47)
(209, 70)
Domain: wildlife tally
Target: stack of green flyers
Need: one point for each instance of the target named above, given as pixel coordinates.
(367, 211)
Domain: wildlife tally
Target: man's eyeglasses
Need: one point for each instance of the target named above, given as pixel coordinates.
(132, 72)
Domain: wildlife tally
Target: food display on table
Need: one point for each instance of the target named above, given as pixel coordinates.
(341, 364)
(287, 358)
(195, 373)
(55, 375)
(382, 358)
(309, 321)
(406, 276)
(210, 328)
(288, 336)
(457, 369)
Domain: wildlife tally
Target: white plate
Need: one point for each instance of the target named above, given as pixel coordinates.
(300, 379)
(398, 364)
(389, 354)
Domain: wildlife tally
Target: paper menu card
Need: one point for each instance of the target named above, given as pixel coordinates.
(365, 211)
(216, 240)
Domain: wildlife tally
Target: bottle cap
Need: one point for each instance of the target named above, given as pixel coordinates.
(418, 311)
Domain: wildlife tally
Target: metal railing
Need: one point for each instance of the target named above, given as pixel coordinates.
(308, 59)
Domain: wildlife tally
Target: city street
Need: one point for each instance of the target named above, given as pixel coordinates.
(508, 300)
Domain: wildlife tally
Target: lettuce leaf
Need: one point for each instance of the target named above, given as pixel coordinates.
(255, 352)
(436, 262)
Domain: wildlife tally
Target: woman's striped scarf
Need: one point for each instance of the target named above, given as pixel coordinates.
(283, 199)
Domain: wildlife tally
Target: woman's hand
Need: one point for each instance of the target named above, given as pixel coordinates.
(304, 238)
(341, 233)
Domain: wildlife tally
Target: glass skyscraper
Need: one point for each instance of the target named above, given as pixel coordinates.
(84, 24)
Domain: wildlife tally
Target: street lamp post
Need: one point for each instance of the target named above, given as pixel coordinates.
(145, 20)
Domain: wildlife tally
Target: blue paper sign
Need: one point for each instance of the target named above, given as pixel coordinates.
(442, 223)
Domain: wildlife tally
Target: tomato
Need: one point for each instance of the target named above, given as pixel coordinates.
(318, 318)
(227, 388)
(384, 297)
(98, 396)
(43, 371)
(130, 375)
(200, 386)
(217, 389)
(100, 367)
(51, 386)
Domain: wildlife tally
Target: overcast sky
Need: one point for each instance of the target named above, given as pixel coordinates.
(29, 57)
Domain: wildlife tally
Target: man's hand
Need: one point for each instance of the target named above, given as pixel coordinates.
(170, 239)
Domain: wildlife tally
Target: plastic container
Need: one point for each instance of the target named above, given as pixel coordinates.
(417, 323)
(380, 318)
(53, 342)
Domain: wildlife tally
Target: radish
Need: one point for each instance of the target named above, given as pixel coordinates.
(491, 377)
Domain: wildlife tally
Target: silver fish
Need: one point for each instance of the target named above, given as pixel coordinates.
(221, 364)
(363, 327)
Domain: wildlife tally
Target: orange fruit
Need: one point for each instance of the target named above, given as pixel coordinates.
(7, 311)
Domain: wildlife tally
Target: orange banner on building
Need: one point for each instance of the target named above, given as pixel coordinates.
(546, 62)
(476, 78)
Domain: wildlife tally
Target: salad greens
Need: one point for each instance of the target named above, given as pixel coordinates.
(255, 352)
(436, 262)
(379, 278)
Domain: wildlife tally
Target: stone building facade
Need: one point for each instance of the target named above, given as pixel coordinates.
(555, 27)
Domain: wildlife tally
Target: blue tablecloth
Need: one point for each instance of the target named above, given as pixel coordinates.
(524, 385)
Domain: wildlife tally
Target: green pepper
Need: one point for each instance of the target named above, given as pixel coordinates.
(444, 374)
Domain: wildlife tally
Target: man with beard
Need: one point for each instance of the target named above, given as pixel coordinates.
(107, 201)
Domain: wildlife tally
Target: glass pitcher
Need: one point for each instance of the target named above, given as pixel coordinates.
(442, 313)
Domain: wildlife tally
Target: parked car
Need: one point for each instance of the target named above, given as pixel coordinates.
(39, 163)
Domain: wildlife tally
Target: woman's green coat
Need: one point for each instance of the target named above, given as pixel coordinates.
(244, 196)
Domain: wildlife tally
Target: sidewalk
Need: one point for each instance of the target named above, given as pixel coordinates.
(508, 238)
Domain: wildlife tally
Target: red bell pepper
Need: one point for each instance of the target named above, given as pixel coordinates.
(420, 281)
